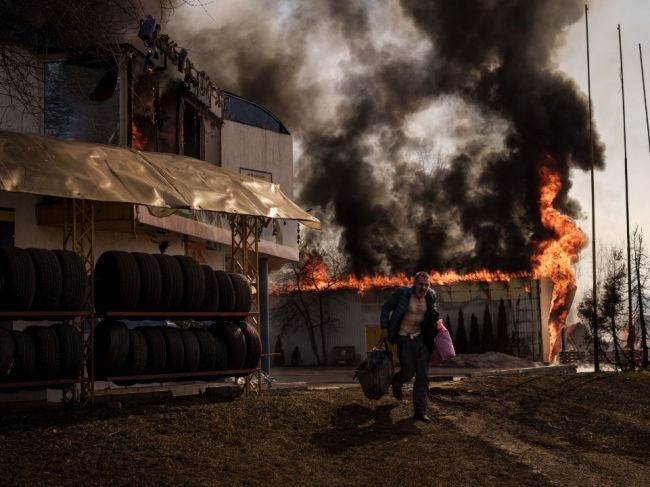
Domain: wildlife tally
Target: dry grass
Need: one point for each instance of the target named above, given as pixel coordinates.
(512, 430)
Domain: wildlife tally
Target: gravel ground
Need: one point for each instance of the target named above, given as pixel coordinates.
(581, 429)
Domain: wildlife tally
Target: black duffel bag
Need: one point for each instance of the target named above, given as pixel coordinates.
(375, 374)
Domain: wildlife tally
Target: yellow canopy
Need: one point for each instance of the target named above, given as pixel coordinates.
(43, 165)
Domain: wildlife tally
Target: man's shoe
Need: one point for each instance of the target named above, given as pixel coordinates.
(397, 392)
(422, 417)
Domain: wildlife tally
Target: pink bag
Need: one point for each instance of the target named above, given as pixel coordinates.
(444, 347)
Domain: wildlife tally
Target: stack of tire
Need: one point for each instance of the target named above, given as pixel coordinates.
(158, 350)
(135, 281)
(41, 280)
(40, 353)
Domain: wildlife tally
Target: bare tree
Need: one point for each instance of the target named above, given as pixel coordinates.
(611, 309)
(612, 301)
(20, 79)
(641, 273)
(430, 159)
(306, 284)
(32, 30)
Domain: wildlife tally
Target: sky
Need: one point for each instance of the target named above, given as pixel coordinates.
(604, 17)
(570, 58)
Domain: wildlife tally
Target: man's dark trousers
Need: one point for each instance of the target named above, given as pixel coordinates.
(414, 359)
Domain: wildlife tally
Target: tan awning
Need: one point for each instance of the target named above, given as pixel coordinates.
(52, 167)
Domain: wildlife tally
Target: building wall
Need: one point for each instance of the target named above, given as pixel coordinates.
(271, 154)
(26, 232)
(247, 147)
(212, 143)
(347, 312)
(350, 314)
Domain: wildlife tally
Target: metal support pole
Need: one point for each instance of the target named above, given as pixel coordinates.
(246, 232)
(627, 217)
(79, 236)
(593, 215)
(264, 316)
(644, 337)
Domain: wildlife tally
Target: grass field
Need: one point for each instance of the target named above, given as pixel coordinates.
(583, 429)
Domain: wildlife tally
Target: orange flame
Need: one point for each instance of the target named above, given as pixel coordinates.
(553, 258)
(138, 140)
(316, 277)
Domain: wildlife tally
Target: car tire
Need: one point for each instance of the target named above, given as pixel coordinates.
(172, 283)
(150, 282)
(233, 337)
(117, 282)
(48, 280)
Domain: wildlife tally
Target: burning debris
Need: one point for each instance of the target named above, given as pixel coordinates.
(138, 140)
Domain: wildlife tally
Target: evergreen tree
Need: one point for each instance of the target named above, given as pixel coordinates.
(278, 358)
(448, 326)
(296, 359)
(612, 303)
(474, 336)
(461, 334)
(503, 340)
(487, 340)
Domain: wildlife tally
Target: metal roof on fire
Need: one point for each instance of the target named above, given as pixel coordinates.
(52, 167)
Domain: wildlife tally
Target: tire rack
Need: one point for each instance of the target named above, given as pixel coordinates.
(67, 386)
(79, 236)
(199, 315)
(245, 232)
(177, 315)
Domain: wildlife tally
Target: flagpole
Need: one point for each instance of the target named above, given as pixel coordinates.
(645, 102)
(627, 214)
(593, 213)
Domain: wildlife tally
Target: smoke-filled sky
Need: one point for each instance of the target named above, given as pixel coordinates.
(419, 126)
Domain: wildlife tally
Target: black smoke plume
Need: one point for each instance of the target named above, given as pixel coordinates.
(477, 210)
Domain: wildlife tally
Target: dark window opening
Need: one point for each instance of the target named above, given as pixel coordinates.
(191, 132)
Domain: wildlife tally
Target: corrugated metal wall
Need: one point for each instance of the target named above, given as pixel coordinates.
(522, 306)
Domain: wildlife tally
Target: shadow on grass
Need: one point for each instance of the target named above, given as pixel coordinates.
(356, 425)
(17, 420)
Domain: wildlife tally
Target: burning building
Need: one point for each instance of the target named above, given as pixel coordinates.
(501, 198)
(519, 310)
(536, 303)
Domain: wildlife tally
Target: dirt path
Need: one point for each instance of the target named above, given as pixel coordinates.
(511, 430)
(574, 430)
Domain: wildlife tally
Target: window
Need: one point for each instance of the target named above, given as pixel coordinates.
(82, 101)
